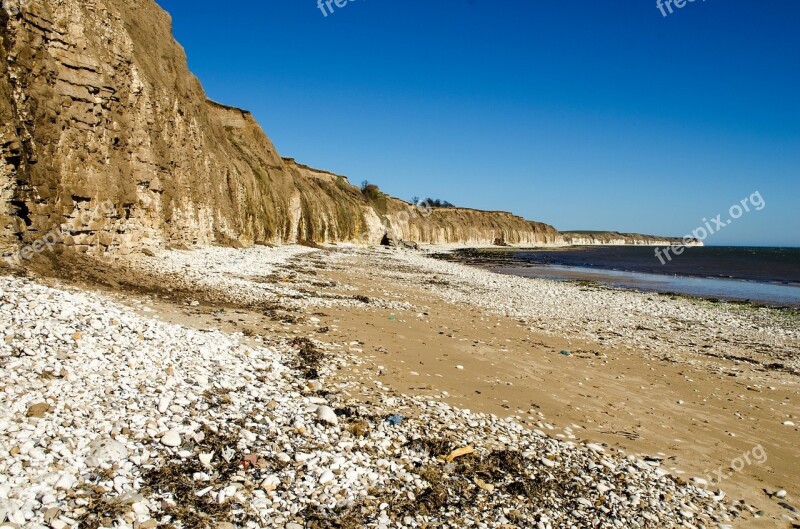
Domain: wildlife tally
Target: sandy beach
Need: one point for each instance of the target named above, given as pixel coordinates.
(702, 393)
(486, 266)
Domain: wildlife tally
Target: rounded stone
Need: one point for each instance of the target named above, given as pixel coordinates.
(327, 415)
(172, 439)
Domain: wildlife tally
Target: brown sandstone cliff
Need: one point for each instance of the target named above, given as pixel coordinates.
(99, 108)
(98, 105)
(437, 226)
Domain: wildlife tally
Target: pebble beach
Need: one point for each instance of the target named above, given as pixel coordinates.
(114, 415)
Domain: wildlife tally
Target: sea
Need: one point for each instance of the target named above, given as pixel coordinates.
(762, 276)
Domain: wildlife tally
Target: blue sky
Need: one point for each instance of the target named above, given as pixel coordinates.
(583, 114)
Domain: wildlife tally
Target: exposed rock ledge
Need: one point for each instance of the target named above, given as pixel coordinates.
(99, 108)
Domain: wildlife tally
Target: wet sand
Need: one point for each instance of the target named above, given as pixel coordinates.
(766, 294)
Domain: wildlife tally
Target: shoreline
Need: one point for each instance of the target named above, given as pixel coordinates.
(777, 294)
(396, 323)
(638, 282)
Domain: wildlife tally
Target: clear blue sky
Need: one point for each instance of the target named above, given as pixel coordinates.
(584, 114)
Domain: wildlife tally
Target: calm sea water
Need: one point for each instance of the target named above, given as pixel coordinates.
(763, 275)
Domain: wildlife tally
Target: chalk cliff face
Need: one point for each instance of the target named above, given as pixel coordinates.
(99, 109)
(593, 238)
(466, 226)
(439, 225)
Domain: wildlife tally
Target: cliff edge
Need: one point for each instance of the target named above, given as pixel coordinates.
(108, 144)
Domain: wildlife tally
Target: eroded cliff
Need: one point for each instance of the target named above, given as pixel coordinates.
(99, 107)
(422, 224)
(109, 144)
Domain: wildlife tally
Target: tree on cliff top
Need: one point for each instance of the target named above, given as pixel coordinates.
(437, 203)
